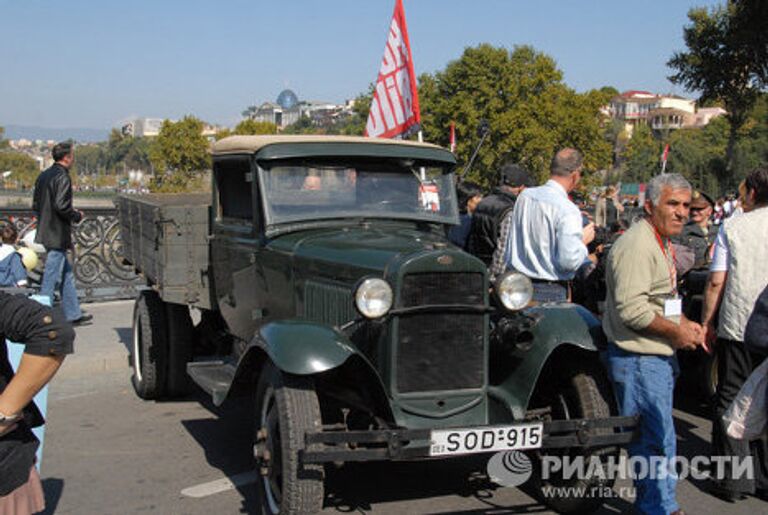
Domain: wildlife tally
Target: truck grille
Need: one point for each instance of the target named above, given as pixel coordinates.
(441, 351)
(328, 303)
(442, 288)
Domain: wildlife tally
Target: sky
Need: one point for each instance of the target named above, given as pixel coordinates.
(95, 64)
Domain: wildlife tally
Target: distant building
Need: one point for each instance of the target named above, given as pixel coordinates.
(143, 127)
(288, 109)
(706, 114)
(659, 112)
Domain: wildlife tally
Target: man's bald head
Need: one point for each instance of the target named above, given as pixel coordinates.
(565, 162)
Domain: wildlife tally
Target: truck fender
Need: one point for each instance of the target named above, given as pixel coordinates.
(566, 328)
(304, 348)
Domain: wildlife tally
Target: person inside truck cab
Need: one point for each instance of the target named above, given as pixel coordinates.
(312, 182)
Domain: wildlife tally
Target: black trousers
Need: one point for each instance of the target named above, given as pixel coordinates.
(735, 364)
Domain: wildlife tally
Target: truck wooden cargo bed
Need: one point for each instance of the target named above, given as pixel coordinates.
(165, 238)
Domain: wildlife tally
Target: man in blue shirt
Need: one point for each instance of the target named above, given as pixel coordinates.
(547, 241)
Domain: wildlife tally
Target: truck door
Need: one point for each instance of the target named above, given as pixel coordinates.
(237, 282)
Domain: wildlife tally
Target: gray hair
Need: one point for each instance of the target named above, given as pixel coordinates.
(565, 162)
(674, 181)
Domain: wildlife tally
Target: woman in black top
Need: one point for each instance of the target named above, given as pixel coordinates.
(47, 337)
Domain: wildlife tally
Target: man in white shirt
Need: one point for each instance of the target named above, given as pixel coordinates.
(547, 239)
(737, 277)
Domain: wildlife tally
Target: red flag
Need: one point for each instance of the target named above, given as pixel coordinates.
(395, 103)
(453, 137)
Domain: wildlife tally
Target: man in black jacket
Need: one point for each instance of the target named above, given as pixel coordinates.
(486, 220)
(52, 201)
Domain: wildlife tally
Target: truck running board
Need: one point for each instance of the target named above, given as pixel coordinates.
(215, 377)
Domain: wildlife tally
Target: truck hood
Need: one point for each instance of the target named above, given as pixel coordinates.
(373, 247)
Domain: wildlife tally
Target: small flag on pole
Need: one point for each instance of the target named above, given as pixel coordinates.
(664, 156)
(395, 104)
(453, 137)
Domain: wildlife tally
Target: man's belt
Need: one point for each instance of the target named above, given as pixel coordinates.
(563, 283)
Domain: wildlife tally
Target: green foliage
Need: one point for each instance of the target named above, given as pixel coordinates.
(698, 154)
(642, 156)
(3, 142)
(720, 64)
(248, 127)
(25, 169)
(179, 154)
(530, 111)
(749, 27)
(303, 126)
(115, 156)
(355, 124)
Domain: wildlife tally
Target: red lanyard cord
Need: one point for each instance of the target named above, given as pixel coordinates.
(673, 267)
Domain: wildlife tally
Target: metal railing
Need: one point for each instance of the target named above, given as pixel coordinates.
(100, 273)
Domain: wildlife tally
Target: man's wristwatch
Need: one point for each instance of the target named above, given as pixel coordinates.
(9, 419)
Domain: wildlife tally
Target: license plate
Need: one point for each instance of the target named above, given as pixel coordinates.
(488, 439)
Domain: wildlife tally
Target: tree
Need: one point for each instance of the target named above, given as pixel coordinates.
(531, 113)
(248, 127)
(355, 124)
(698, 154)
(179, 154)
(3, 142)
(24, 170)
(642, 155)
(749, 26)
(304, 125)
(720, 66)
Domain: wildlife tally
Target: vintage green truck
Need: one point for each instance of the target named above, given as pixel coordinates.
(327, 289)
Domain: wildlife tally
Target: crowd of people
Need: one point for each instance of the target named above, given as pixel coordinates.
(544, 233)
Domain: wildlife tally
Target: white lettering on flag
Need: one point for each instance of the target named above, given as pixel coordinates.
(395, 102)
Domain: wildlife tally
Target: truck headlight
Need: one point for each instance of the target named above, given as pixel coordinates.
(373, 298)
(514, 290)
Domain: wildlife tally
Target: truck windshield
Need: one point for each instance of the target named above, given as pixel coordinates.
(295, 193)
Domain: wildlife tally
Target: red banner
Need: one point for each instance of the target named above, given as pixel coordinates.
(395, 103)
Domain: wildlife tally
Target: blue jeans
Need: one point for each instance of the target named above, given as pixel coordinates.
(58, 276)
(644, 385)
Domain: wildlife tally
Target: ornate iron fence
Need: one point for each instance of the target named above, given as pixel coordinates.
(100, 273)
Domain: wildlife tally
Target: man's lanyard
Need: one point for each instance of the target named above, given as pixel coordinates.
(672, 267)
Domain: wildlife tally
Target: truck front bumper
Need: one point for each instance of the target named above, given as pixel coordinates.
(412, 444)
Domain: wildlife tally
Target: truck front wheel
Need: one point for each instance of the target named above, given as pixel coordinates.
(149, 346)
(286, 409)
(584, 394)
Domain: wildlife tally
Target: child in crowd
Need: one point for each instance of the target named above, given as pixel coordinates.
(12, 271)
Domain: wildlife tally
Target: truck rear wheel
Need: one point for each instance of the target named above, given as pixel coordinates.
(286, 409)
(582, 394)
(149, 346)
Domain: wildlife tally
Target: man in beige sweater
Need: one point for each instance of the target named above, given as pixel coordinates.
(645, 325)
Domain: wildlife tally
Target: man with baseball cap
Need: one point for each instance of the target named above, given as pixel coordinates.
(487, 218)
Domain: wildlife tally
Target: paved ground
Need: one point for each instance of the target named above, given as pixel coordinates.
(109, 452)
